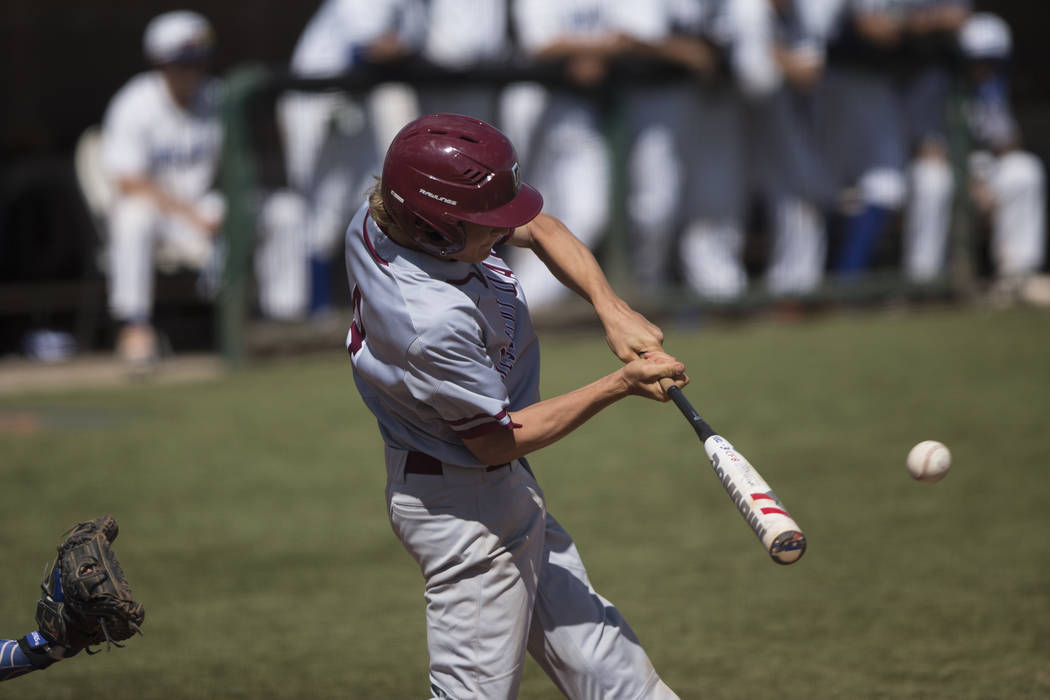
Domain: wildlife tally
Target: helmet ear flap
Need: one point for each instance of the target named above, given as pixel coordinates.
(434, 240)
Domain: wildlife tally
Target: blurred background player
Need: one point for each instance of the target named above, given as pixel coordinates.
(659, 118)
(739, 32)
(786, 163)
(333, 142)
(1008, 184)
(930, 47)
(754, 142)
(567, 156)
(884, 115)
(161, 139)
(860, 123)
(160, 146)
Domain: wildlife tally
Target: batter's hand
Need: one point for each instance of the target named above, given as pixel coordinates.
(629, 334)
(643, 375)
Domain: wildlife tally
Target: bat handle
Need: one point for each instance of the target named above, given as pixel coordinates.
(703, 430)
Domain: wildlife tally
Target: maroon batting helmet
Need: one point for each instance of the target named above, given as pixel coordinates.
(444, 169)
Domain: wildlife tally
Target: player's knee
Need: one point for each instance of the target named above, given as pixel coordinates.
(283, 210)
(883, 187)
(655, 181)
(931, 178)
(1019, 172)
(212, 206)
(132, 218)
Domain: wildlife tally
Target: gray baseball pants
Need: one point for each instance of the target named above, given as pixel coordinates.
(502, 576)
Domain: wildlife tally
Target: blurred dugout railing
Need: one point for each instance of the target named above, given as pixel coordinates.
(253, 158)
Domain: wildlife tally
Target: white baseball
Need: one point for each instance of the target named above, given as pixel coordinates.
(929, 461)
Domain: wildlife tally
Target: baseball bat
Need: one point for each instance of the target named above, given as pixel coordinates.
(763, 511)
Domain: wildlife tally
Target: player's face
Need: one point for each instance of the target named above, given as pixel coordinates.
(480, 240)
(184, 80)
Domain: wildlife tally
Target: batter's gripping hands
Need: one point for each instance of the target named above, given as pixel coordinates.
(86, 599)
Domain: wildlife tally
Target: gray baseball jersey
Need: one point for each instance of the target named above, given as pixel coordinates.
(472, 355)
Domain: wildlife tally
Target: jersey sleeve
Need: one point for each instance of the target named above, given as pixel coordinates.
(124, 148)
(449, 369)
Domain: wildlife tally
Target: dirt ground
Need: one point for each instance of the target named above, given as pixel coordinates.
(20, 376)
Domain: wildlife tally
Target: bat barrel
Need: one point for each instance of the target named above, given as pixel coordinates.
(755, 500)
(757, 503)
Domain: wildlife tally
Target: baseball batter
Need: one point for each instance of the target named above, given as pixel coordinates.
(444, 354)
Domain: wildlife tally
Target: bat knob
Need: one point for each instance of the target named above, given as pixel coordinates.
(788, 547)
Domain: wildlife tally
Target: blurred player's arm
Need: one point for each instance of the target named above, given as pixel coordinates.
(586, 60)
(140, 186)
(981, 166)
(125, 161)
(879, 27)
(801, 66)
(947, 16)
(628, 333)
(568, 47)
(692, 53)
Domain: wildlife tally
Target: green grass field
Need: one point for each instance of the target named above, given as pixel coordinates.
(254, 529)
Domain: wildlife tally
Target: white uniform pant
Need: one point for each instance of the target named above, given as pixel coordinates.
(502, 576)
(927, 218)
(1018, 182)
(653, 204)
(711, 251)
(799, 247)
(139, 232)
(141, 236)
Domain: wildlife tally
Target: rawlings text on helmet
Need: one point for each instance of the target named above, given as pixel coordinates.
(438, 197)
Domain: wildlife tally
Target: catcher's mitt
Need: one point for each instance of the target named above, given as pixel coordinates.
(86, 599)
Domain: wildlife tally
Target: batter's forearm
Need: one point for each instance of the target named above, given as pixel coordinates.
(548, 421)
(568, 259)
(627, 332)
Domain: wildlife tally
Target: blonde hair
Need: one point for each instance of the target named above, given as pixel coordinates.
(376, 207)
